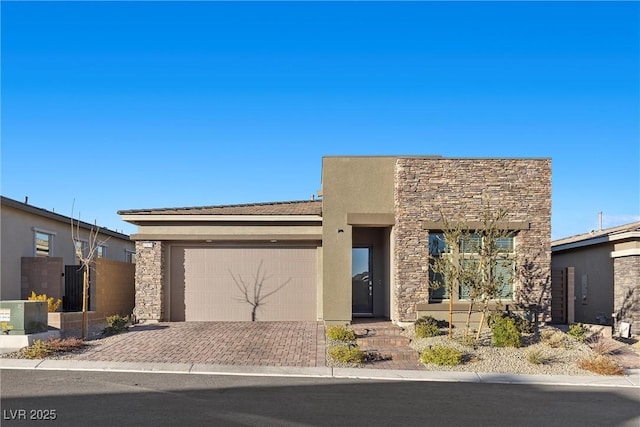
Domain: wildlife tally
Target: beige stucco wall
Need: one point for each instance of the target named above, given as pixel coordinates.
(228, 232)
(621, 246)
(359, 189)
(18, 240)
(593, 280)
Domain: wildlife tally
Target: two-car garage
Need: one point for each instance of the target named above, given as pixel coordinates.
(221, 282)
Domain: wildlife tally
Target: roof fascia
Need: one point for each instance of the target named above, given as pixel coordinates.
(61, 218)
(220, 218)
(595, 241)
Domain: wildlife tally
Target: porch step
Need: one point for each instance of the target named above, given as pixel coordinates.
(368, 330)
(383, 341)
(393, 353)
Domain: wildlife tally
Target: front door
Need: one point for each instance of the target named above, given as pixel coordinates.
(361, 281)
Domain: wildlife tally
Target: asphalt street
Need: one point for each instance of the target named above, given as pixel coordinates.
(73, 398)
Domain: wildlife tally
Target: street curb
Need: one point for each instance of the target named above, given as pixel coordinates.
(630, 380)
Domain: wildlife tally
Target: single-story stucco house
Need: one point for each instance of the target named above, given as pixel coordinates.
(37, 244)
(362, 250)
(596, 276)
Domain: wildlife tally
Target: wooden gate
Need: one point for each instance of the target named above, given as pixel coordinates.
(72, 299)
(559, 296)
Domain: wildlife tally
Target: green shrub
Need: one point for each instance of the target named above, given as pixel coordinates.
(340, 333)
(427, 330)
(37, 350)
(428, 326)
(116, 324)
(430, 320)
(441, 356)
(525, 326)
(505, 333)
(346, 354)
(578, 331)
(467, 340)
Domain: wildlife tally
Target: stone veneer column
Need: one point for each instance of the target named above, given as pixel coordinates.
(149, 281)
(425, 189)
(626, 293)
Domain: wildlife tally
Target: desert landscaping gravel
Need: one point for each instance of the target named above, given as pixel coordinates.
(486, 358)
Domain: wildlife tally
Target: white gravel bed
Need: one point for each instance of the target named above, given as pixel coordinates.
(485, 358)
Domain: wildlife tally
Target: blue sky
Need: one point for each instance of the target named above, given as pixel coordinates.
(124, 105)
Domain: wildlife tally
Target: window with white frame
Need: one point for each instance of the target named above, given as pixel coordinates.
(498, 269)
(43, 243)
(130, 256)
(80, 247)
(101, 251)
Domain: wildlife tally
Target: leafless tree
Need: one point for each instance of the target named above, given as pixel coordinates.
(446, 264)
(534, 290)
(491, 253)
(254, 293)
(470, 259)
(86, 256)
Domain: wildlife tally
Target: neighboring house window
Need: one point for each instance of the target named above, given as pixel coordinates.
(43, 243)
(130, 256)
(503, 271)
(80, 249)
(101, 251)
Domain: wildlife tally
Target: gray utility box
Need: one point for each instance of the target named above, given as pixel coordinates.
(21, 317)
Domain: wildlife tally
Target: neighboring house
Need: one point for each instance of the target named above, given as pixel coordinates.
(363, 250)
(37, 245)
(597, 277)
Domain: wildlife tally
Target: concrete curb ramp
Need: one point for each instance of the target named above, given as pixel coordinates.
(630, 380)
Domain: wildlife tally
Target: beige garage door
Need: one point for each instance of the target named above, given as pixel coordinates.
(210, 283)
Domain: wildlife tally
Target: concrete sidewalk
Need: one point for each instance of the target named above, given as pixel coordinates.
(630, 380)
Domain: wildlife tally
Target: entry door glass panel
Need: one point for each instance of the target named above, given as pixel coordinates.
(361, 281)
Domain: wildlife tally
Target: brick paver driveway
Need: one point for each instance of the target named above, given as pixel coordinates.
(225, 343)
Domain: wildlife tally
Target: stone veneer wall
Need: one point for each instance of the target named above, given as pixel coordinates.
(425, 189)
(150, 274)
(626, 294)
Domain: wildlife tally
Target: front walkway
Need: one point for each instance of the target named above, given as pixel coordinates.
(220, 343)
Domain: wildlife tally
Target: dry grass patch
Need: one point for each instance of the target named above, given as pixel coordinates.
(42, 349)
(601, 346)
(601, 365)
(65, 345)
(555, 338)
